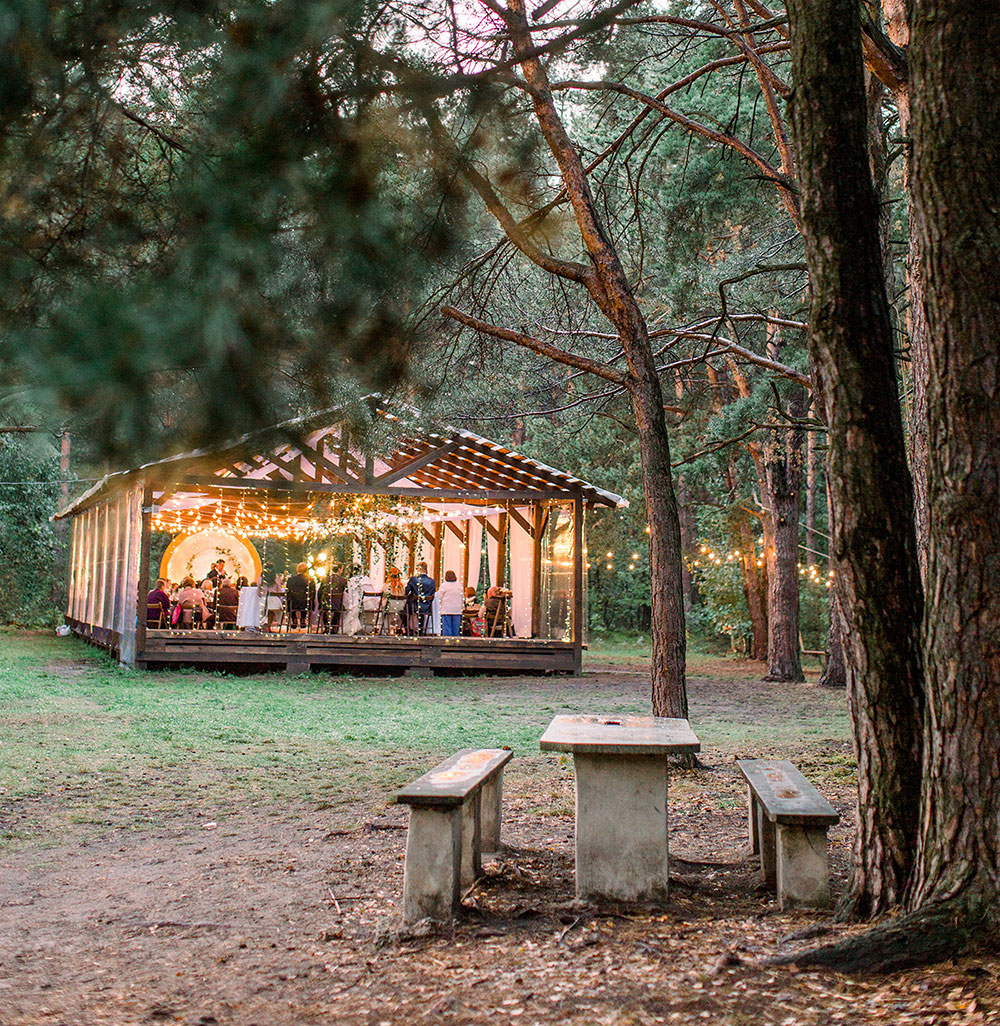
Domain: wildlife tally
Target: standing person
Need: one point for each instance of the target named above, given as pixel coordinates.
(217, 572)
(451, 598)
(301, 590)
(420, 599)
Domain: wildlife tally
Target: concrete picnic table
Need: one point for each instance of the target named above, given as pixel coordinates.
(621, 773)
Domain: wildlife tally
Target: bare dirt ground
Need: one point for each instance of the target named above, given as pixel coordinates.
(278, 916)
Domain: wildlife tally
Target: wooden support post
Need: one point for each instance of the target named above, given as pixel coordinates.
(465, 554)
(538, 522)
(412, 551)
(438, 552)
(501, 550)
(145, 533)
(578, 583)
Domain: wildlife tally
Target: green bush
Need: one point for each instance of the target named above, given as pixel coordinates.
(31, 559)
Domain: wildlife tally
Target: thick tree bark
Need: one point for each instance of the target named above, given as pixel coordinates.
(689, 536)
(812, 479)
(835, 673)
(783, 476)
(611, 290)
(851, 348)
(915, 322)
(955, 185)
(754, 587)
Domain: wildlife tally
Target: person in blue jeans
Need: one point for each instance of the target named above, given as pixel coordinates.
(419, 600)
(451, 596)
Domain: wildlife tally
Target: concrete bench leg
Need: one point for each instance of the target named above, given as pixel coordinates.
(766, 844)
(621, 827)
(472, 863)
(433, 863)
(752, 831)
(803, 870)
(491, 812)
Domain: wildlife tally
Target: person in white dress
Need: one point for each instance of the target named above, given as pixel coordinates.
(357, 585)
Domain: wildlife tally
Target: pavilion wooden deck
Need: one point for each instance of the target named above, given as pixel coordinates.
(299, 653)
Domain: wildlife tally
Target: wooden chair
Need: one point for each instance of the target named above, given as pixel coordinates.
(496, 622)
(225, 618)
(371, 612)
(392, 614)
(155, 617)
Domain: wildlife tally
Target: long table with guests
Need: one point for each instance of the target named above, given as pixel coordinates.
(345, 601)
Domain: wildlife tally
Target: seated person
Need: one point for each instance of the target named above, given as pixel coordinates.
(157, 602)
(470, 611)
(227, 602)
(300, 590)
(331, 599)
(208, 592)
(420, 599)
(274, 600)
(394, 582)
(191, 606)
(493, 610)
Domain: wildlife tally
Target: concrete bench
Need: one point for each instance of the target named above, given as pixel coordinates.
(787, 823)
(455, 813)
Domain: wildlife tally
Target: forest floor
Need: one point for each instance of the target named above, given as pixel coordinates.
(199, 849)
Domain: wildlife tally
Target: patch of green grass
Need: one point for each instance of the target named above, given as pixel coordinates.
(85, 744)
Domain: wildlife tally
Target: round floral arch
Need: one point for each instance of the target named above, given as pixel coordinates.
(194, 553)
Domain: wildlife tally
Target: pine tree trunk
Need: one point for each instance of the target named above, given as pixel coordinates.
(689, 534)
(835, 672)
(611, 290)
(851, 349)
(955, 184)
(898, 32)
(755, 589)
(812, 479)
(783, 473)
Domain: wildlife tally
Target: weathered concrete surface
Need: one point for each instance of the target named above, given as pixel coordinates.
(431, 873)
(803, 872)
(491, 813)
(768, 849)
(472, 865)
(635, 735)
(621, 826)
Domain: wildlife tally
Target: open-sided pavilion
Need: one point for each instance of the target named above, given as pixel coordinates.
(426, 495)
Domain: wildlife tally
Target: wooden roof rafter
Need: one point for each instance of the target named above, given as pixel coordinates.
(449, 465)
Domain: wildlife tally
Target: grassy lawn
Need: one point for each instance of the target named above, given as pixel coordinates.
(85, 743)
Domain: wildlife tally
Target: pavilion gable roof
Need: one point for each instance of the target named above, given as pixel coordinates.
(323, 453)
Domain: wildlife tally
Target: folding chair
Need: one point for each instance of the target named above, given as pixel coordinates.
(371, 611)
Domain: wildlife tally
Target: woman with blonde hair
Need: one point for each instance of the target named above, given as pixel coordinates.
(191, 599)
